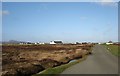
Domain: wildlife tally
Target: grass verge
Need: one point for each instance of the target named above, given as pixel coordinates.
(59, 69)
(114, 49)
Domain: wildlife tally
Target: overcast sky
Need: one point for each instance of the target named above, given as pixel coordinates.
(66, 21)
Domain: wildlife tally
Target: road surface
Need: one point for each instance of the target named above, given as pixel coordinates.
(100, 62)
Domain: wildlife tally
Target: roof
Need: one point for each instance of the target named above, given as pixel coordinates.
(57, 41)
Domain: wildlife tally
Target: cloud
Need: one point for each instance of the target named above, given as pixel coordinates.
(107, 0)
(4, 12)
(112, 3)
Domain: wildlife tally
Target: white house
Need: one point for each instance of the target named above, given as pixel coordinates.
(42, 43)
(109, 43)
(56, 42)
(38, 43)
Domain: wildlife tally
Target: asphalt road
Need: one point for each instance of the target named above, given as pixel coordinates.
(100, 62)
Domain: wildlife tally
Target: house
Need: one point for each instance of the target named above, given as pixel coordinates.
(56, 42)
(38, 43)
(42, 43)
(84, 42)
(109, 43)
(25, 43)
(78, 43)
(116, 43)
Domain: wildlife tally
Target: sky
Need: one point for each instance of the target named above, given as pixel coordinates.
(66, 21)
(60, 0)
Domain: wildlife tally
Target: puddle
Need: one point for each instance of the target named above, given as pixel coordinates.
(72, 61)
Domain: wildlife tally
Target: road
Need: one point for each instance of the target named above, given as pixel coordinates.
(100, 62)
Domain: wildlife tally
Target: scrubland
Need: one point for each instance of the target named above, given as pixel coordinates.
(26, 60)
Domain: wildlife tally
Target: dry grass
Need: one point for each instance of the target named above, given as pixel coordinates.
(43, 56)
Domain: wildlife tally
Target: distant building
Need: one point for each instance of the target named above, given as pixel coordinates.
(101, 43)
(116, 43)
(78, 43)
(39, 43)
(84, 42)
(109, 43)
(25, 43)
(42, 43)
(22, 43)
(56, 42)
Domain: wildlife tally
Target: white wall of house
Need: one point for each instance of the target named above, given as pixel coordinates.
(109, 43)
(36, 43)
(52, 42)
(39, 43)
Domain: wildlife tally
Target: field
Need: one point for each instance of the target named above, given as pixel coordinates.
(114, 49)
(26, 60)
(59, 69)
